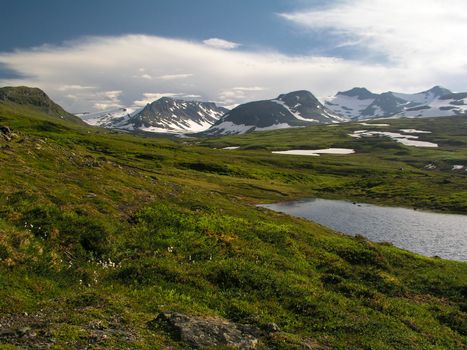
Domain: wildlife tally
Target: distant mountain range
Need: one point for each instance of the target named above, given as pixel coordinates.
(166, 115)
(359, 103)
(295, 109)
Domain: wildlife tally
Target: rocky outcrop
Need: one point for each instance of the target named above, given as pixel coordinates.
(202, 332)
(5, 133)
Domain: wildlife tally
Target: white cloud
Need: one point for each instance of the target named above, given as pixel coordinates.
(142, 74)
(75, 87)
(249, 88)
(412, 34)
(149, 97)
(175, 76)
(106, 106)
(109, 100)
(109, 64)
(231, 106)
(231, 97)
(221, 44)
(113, 95)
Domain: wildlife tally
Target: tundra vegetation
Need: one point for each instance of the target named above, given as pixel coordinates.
(100, 231)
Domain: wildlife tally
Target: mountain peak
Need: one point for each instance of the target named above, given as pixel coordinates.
(360, 92)
(298, 93)
(35, 98)
(164, 99)
(294, 109)
(299, 96)
(439, 91)
(359, 103)
(174, 116)
(25, 95)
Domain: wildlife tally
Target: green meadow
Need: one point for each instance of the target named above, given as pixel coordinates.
(101, 230)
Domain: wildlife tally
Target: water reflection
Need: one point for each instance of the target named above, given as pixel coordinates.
(427, 233)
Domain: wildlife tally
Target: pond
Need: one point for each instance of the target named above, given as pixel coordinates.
(426, 233)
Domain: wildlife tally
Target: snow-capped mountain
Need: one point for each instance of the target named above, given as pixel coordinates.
(166, 115)
(350, 103)
(295, 109)
(359, 103)
(114, 118)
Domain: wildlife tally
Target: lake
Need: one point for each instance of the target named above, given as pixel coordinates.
(426, 233)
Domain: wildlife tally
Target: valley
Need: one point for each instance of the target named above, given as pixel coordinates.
(233, 175)
(101, 230)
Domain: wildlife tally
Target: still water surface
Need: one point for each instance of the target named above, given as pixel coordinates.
(426, 233)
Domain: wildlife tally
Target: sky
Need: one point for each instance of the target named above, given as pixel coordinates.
(96, 55)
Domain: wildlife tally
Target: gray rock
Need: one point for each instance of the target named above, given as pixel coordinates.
(5, 131)
(24, 330)
(272, 328)
(6, 332)
(201, 332)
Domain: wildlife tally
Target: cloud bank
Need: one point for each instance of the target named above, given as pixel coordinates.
(425, 33)
(221, 43)
(421, 41)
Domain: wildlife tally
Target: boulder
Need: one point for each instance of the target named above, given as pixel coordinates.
(272, 328)
(5, 132)
(201, 332)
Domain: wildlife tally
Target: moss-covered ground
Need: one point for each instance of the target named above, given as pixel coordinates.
(100, 231)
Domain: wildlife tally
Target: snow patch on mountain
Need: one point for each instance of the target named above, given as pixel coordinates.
(293, 112)
(114, 118)
(165, 115)
(229, 128)
(361, 104)
(350, 107)
(407, 140)
(295, 109)
(316, 152)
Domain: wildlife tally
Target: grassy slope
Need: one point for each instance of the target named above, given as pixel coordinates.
(177, 220)
(35, 99)
(382, 171)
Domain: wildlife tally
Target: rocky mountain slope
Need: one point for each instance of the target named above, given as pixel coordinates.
(360, 103)
(111, 118)
(166, 115)
(295, 109)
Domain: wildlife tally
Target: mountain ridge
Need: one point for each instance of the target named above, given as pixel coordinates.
(295, 109)
(165, 115)
(36, 99)
(360, 103)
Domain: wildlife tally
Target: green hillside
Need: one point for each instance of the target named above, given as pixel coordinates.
(101, 231)
(36, 99)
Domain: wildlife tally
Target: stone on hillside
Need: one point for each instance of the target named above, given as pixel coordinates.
(5, 131)
(272, 328)
(201, 332)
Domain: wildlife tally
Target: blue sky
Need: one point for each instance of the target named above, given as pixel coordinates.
(253, 23)
(101, 54)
